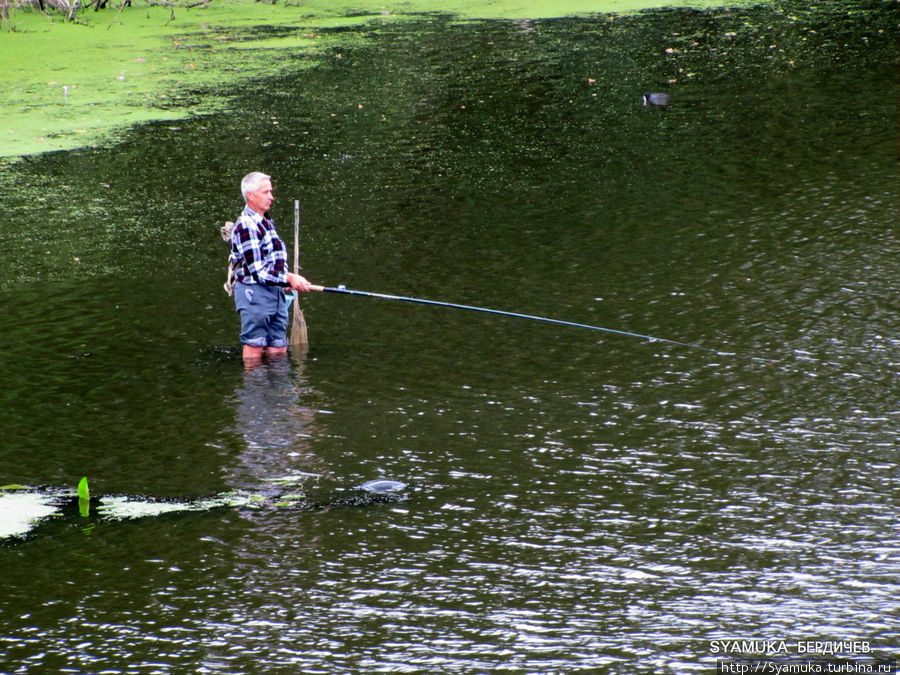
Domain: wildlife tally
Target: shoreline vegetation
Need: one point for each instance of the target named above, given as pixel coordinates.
(76, 74)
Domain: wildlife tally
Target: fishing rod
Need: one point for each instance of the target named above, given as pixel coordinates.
(437, 303)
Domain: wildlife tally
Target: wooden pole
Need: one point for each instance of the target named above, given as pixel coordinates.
(299, 337)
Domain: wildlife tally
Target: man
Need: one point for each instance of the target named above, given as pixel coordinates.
(261, 277)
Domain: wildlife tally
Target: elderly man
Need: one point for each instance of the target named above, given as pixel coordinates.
(261, 277)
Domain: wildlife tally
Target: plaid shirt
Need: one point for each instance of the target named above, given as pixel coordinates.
(257, 252)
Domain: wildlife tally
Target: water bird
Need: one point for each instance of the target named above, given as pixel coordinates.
(656, 99)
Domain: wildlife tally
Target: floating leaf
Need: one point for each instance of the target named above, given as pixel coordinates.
(290, 499)
(292, 479)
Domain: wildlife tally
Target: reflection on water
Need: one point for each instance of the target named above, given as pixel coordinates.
(274, 418)
(581, 501)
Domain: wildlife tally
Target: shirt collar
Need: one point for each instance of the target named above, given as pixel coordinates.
(256, 217)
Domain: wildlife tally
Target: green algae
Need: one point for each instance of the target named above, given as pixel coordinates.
(130, 508)
(77, 84)
(23, 511)
(74, 84)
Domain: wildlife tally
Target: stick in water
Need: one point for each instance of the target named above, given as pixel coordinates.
(299, 335)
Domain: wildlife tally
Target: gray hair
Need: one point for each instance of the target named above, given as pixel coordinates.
(251, 182)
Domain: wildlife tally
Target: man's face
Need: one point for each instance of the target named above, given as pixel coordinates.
(261, 199)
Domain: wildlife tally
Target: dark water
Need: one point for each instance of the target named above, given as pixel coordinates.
(579, 500)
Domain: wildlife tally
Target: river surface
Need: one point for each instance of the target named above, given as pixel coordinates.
(578, 500)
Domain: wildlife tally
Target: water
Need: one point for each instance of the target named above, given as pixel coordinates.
(577, 500)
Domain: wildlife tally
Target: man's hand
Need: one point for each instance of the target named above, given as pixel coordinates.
(299, 284)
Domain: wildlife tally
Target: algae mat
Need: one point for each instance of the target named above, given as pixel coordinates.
(72, 84)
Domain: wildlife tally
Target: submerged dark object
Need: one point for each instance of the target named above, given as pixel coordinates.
(379, 491)
(23, 508)
(656, 99)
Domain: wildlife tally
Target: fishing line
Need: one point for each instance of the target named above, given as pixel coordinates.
(437, 303)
